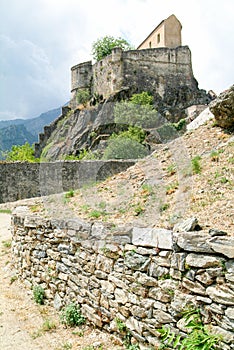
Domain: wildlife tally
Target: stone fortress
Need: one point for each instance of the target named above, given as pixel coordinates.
(160, 66)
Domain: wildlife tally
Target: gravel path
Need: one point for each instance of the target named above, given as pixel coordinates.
(13, 332)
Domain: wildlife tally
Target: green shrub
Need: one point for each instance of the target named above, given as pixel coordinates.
(83, 96)
(24, 153)
(135, 133)
(144, 98)
(120, 147)
(129, 113)
(71, 315)
(180, 125)
(196, 165)
(69, 194)
(39, 294)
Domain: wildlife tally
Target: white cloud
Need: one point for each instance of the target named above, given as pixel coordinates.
(42, 39)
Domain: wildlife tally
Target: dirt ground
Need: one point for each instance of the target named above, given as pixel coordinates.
(24, 325)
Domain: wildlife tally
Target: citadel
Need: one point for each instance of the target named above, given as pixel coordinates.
(160, 66)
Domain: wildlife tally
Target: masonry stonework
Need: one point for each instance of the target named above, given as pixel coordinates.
(164, 72)
(26, 180)
(145, 277)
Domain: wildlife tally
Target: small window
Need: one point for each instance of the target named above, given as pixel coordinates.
(150, 44)
(158, 38)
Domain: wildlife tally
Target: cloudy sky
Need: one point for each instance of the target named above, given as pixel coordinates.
(41, 39)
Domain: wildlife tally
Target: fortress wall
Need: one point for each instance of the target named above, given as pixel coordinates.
(26, 180)
(156, 70)
(143, 70)
(145, 277)
(108, 74)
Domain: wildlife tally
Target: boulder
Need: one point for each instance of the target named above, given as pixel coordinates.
(223, 108)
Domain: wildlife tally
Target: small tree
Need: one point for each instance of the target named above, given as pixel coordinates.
(24, 153)
(143, 99)
(122, 147)
(83, 96)
(103, 46)
(138, 111)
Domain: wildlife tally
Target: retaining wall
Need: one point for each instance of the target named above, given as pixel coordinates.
(26, 180)
(145, 277)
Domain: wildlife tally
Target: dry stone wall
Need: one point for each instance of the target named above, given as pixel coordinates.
(144, 277)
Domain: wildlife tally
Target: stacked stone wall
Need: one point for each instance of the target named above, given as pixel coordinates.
(145, 277)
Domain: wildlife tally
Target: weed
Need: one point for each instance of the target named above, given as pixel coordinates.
(91, 347)
(39, 294)
(66, 346)
(13, 279)
(127, 335)
(35, 208)
(180, 125)
(120, 325)
(102, 205)
(214, 156)
(105, 250)
(196, 166)
(95, 214)
(148, 189)
(165, 276)
(5, 211)
(69, 194)
(171, 188)
(48, 325)
(85, 207)
(79, 333)
(198, 336)
(171, 169)
(71, 315)
(138, 209)
(36, 334)
(6, 244)
(224, 180)
(164, 207)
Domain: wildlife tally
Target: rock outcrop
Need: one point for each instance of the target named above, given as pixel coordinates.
(223, 108)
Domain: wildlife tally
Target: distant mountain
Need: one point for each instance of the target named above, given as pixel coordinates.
(15, 135)
(19, 131)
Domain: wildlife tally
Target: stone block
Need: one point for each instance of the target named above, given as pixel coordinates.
(203, 261)
(134, 324)
(136, 261)
(194, 287)
(104, 264)
(91, 315)
(152, 237)
(222, 294)
(193, 241)
(121, 296)
(223, 245)
(163, 317)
